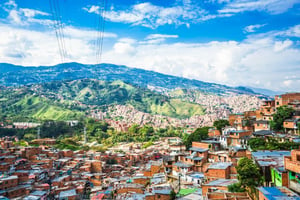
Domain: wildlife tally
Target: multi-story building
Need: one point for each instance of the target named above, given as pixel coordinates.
(292, 165)
(286, 99)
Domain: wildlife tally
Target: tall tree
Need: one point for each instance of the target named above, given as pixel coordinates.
(220, 124)
(198, 135)
(249, 174)
(282, 113)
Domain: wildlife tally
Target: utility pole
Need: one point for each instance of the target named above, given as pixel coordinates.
(39, 133)
(85, 138)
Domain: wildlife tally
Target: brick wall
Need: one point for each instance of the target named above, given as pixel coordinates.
(158, 196)
(205, 188)
(213, 174)
(142, 181)
(96, 166)
(127, 190)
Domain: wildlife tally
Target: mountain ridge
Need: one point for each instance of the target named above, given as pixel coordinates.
(15, 75)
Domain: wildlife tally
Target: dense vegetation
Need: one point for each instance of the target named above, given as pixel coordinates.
(282, 113)
(198, 135)
(220, 124)
(67, 100)
(271, 144)
(249, 177)
(98, 133)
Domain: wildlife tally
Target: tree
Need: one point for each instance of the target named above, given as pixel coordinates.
(172, 195)
(220, 124)
(134, 129)
(282, 113)
(236, 187)
(248, 174)
(198, 135)
(257, 143)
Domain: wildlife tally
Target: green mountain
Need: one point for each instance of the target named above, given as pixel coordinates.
(65, 100)
(11, 75)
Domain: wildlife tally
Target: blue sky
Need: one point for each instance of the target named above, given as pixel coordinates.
(234, 42)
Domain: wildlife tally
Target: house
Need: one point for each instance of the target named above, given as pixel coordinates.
(271, 193)
(217, 185)
(68, 195)
(198, 155)
(263, 133)
(238, 138)
(272, 165)
(196, 178)
(228, 196)
(213, 132)
(181, 169)
(292, 165)
(261, 125)
(285, 99)
(218, 170)
(291, 125)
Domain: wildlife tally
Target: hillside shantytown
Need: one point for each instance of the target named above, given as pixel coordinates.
(250, 155)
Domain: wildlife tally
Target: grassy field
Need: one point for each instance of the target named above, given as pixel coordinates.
(177, 108)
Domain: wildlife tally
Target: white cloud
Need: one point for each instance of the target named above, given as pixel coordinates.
(270, 6)
(156, 36)
(257, 62)
(32, 13)
(287, 82)
(253, 28)
(24, 16)
(281, 45)
(152, 16)
(292, 32)
(29, 47)
(92, 9)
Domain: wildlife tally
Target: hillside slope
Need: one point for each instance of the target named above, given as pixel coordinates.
(63, 100)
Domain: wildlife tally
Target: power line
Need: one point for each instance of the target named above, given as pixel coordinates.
(61, 27)
(100, 30)
(56, 30)
(58, 26)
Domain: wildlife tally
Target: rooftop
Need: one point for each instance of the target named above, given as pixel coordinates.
(222, 182)
(219, 165)
(270, 158)
(183, 165)
(276, 193)
(262, 133)
(68, 193)
(198, 149)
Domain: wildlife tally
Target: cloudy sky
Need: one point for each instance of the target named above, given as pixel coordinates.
(235, 42)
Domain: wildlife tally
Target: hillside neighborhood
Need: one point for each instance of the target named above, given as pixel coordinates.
(205, 168)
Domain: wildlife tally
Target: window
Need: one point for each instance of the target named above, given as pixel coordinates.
(298, 157)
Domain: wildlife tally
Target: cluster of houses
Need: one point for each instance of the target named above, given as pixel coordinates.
(166, 170)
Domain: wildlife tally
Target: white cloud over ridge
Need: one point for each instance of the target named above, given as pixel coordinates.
(267, 62)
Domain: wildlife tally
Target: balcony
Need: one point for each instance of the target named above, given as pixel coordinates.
(294, 185)
(291, 165)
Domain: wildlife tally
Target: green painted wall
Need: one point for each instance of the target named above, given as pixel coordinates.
(276, 177)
